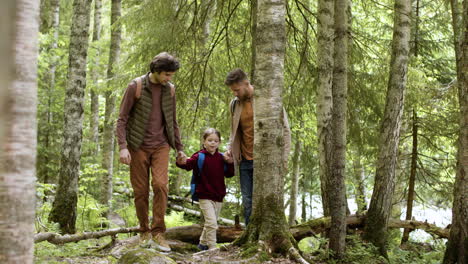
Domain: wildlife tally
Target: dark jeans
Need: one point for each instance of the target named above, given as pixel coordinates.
(246, 184)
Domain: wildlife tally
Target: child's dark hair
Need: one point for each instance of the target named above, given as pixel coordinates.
(164, 62)
(235, 76)
(210, 131)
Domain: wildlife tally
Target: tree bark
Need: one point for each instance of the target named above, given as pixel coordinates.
(268, 221)
(295, 181)
(412, 179)
(324, 95)
(64, 206)
(381, 201)
(359, 184)
(457, 246)
(19, 27)
(94, 89)
(109, 138)
(336, 183)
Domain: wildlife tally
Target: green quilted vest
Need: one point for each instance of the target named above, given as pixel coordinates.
(141, 110)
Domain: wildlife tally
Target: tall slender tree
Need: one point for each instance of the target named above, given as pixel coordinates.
(325, 50)
(381, 201)
(336, 181)
(457, 246)
(295, 180)
(54, 20)
(19, 27)
(64, 206)
(94, 90)
(108, 137)
(412, 179)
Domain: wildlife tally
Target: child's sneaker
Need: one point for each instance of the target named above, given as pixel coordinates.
(202, 247)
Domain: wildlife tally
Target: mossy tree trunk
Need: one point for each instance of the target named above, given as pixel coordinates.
(109, 138)
(268, 222)
(18, 129)
(457, 246)
(64, 206)
(381, 201)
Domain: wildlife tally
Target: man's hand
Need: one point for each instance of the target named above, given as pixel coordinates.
(181, 158)
(125, 156)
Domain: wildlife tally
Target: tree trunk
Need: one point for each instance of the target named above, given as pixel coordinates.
(324, 95)
(64, 206)
(268, 221)
(412, 179)
(45, 174)
(457, 246)
(108, 139)
(94, 89)
(359, 184)
(336, 183)
(295, 181)
(381, 201)
(18, 129)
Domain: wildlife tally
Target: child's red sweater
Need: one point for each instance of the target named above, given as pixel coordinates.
(210, 182)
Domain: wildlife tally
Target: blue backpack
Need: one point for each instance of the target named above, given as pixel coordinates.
(193, 181)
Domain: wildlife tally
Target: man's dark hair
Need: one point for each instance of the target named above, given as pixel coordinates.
(235, 76)
(164, 62)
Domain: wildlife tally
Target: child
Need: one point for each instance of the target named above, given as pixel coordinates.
(210, 186)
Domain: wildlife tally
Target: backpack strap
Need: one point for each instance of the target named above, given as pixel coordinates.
(232, 105)
(138, 89)
(193, 181)
(201, 160)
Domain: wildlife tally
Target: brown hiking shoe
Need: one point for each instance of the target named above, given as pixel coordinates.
(161, 243)
(145, 237)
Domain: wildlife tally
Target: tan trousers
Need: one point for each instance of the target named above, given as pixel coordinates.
(156, 160)
(210, 210)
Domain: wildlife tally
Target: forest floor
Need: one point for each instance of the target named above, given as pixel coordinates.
(181, 253)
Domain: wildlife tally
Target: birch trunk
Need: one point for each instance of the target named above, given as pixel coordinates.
(324, 95)
(457, 246)
(94, 93)
(109, 138)
(381, 201)
(64, 206)
(19, 27)
(268, 221)
(295, 181)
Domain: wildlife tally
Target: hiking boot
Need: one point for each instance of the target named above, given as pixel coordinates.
(145, 237)
(161, 243)
(202, 247)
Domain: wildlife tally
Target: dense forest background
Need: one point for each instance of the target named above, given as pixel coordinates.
(90, 50)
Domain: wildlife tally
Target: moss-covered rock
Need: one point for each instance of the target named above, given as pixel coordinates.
(144, 256)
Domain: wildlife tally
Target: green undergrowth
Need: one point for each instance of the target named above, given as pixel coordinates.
(360, 252)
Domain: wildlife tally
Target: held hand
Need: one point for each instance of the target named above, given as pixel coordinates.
(181, 158)
(125, 156)
(227, 158)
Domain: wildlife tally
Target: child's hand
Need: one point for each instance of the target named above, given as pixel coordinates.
(181, 158)
(228, 158)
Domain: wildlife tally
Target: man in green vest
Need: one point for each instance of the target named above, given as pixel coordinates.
(146, 130)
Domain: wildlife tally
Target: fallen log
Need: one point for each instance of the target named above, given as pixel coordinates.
(55, 238)
(191, 234)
